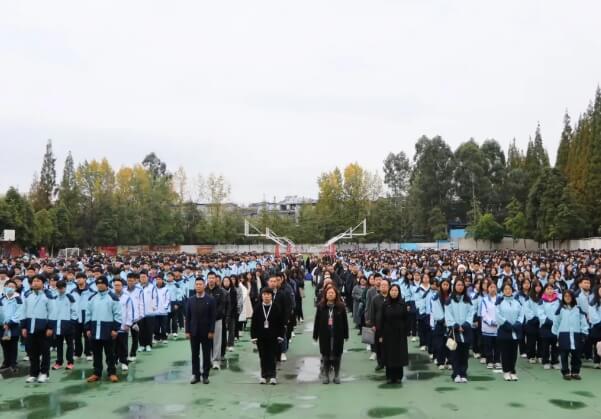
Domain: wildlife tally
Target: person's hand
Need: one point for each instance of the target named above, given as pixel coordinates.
(49, 332)
(373, 328)
(126, 328)
(211, 334)
(187, 335)
(24, 333)
(175, 307)
(89, 334)
(460, 329)
(135, 327)
(6, 327)
(113, 334)
(381, 340)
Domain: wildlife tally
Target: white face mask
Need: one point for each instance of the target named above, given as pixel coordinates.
(9, 291)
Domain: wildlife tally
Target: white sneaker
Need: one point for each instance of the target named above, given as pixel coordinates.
(441, 367)
(89, 358)
(483, 360)
(490, 366)
(148, 348)
(25, 358)
(422, 348)
(273, 381)
(132, 359)
(141, 349)
(154, 342)
(230, 349)
(532, 361)
(368, 348)
(31, 380)
(457, 380)
(498, 366)
(293, 335)
(175, 336)
(372, 357)
(514, 377)
(449, 367)
(463, 380)
(507, 376)
(547, 366)
(263, 381)
(597, 366)
(216, 365)
(523, 355)
(413, 339)
(42, 378)
(165, 342)
(124, 367)
(283, 358)
(477, 356)
(556, 366)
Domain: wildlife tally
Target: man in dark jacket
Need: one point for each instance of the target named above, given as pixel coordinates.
(220, 297)
(377, 306)
(267, 331)
(200, 328)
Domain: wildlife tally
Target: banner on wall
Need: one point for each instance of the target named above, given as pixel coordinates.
(108, 250)
(165, 249)
(204, 250)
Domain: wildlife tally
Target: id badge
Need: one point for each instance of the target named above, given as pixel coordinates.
(266, 324)
(330, 322)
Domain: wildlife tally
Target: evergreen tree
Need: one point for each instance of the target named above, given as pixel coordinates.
(564, 145)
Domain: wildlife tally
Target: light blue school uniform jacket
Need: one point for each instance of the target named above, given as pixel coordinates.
(546, 315)
(570, 326)
(103, 315)
(37, 307)
(64, 316)
(11, 313)
(459, 312)
(510, 318)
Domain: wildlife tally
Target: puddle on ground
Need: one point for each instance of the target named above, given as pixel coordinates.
(584, 394)
(451, 406)
(515, 404)
(150, 411)
(203, 402)
(445, 389)
(356, 350)
(232, 364)
(376, 377)
(480, 378)
(21, 371)
(41, 405)
(276, 408)
(181, 363)
(387, 386)
(422, 375)
(386, 412)
(481, 388)
(567, 404)
(308, 369)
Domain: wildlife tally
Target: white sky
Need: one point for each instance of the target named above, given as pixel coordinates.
(272, 93)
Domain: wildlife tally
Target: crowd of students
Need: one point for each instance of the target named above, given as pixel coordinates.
(544, 306)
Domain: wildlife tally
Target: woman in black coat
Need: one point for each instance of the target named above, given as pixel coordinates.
(393, 327)
(331, 329)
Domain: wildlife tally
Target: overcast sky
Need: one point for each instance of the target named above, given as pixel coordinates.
(272, 93)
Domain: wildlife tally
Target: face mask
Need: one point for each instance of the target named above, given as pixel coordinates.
(9, 291)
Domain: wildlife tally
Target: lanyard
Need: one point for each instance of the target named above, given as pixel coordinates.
(268, 311)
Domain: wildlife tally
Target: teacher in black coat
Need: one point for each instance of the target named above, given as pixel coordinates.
(393, 337)
(331, 329)
(201, 312)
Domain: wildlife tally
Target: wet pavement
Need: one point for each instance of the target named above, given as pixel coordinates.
(156, 386)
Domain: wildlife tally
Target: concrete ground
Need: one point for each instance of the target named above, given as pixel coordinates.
(157, 387)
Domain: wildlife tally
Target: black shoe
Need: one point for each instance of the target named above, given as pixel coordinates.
(194, 380)
(379, 367)
(205, 380)
(567, 377)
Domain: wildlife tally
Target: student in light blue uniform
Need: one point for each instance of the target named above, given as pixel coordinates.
(510, 320)
(127, 321)
(437, 321)
(459, 314)
(532, 323)
(81, 294)
(422, 305)
(161, 319)
(547, 308)
(571, 328)
(176, 297)
(38, 304)
(103, 322)
(583, 296)
(63, 319)
(11, 314)
(594, 317)
(488, 314)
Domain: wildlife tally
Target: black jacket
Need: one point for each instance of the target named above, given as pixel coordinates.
(392, 326)
(200, 315)
(220, 297)
(323, 332)
(276, 325)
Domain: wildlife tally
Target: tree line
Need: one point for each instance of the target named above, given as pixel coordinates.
(478, 185)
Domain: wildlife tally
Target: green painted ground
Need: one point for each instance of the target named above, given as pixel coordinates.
(157, 387)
